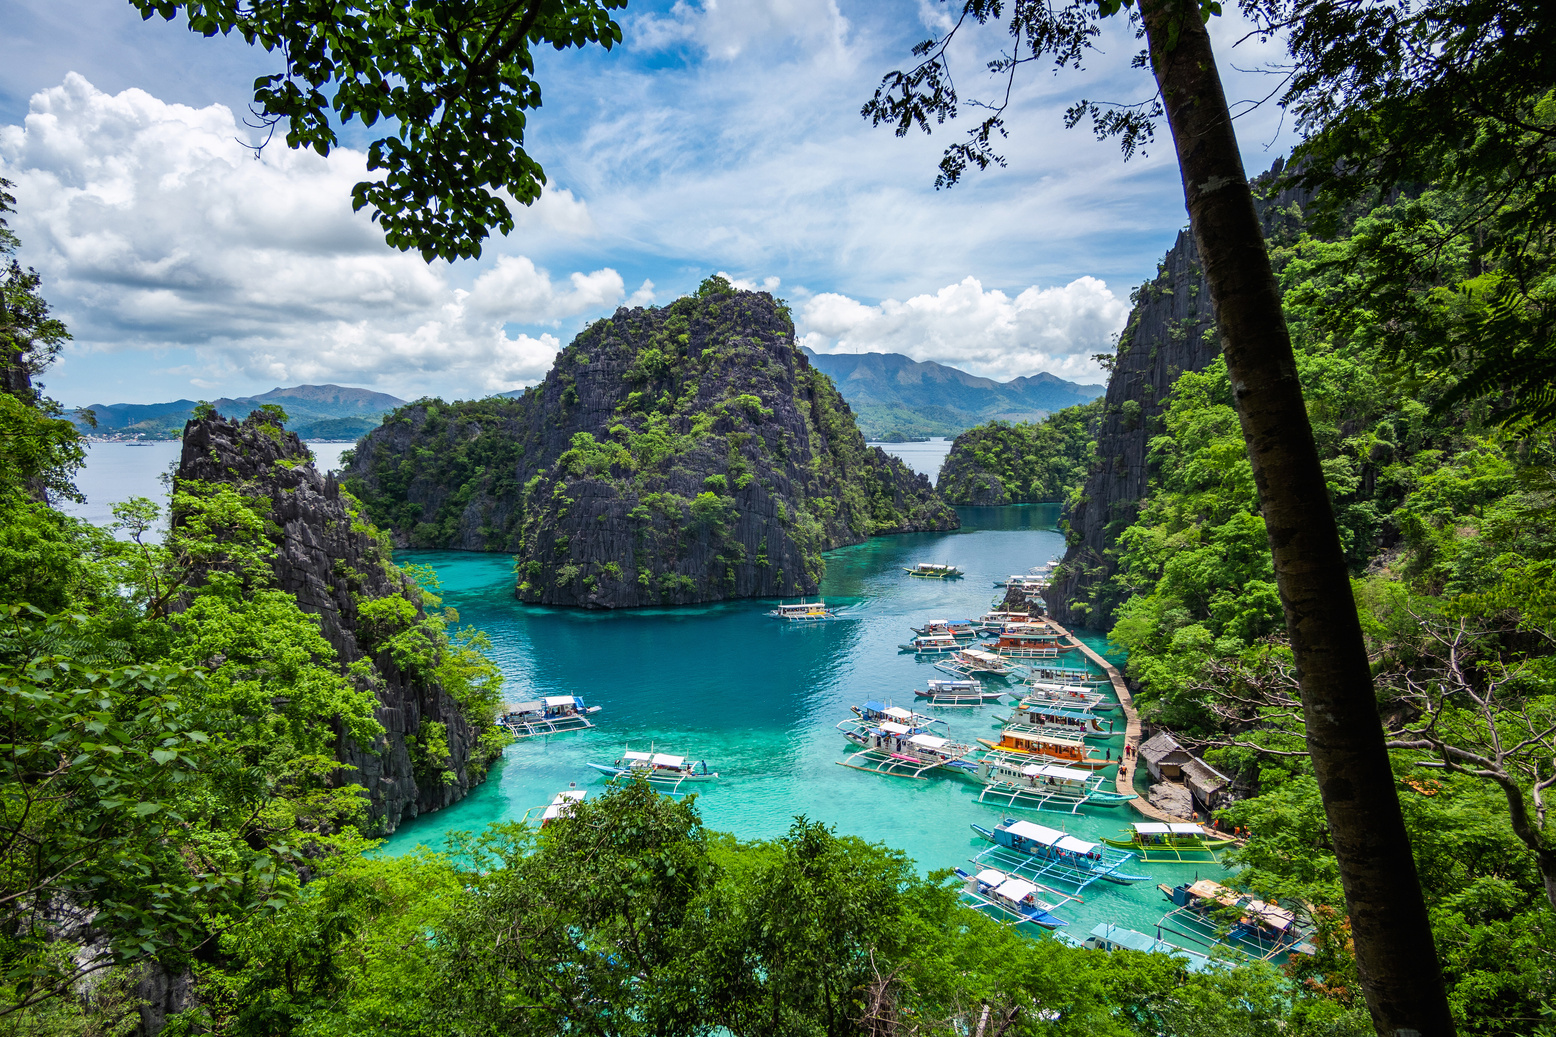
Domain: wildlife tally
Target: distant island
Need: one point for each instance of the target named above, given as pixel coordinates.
(328, 412)
(897, 399)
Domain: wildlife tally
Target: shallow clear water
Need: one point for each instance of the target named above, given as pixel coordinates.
(759, 699)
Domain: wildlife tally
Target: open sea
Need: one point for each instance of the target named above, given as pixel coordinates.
(757, 698)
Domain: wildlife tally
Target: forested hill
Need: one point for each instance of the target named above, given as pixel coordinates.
(1026, 463)
(313, 412)
(674, 455)
(896, 396)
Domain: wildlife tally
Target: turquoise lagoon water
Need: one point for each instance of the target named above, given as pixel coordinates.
(759, 699)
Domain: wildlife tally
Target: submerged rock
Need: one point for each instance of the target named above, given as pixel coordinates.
(674, 455)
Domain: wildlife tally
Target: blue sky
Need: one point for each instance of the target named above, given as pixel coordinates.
(723, 136)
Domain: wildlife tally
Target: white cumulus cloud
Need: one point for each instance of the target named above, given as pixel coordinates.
(984, 332)
(157, 230)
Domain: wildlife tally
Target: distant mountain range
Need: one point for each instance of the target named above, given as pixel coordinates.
(313, 412)
(897, 397)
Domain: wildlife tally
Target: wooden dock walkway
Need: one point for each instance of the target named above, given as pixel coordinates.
(1126, 769)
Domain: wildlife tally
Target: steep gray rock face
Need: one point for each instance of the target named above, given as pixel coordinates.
(1170, 331)
(330, 560)
(675, 455)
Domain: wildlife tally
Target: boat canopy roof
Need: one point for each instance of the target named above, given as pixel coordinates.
(1053, 770)
(576, 795)
(1035, 832)
(981, 655)
(666, 760)
(1038, 736)
(937, 639)
(534, 706)
(1063, 714)
(560, 700)
(1152, 828)
(1068, 689)
(874, 707)
(930, 741)
(898, 712)
(1186, 829)
(804, 606)
(893, 728)
(1074, 845)
(1272, 915)
(990, 877)
(954, 685)
(639, 757)
(1015, 890)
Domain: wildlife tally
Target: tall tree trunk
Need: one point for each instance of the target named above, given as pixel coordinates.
(1394, 952)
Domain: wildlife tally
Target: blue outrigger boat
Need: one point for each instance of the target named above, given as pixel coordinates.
(546, 716)
(1014, 901)
(1037, 852)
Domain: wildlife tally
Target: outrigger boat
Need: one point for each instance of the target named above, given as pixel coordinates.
(872, 715)
(547, 716)
(994, 622)
(959, 693)
(1056, 721)
(1261, 930)
(1035, 745)
(935, 570)
(1047, 671)
(904, 753)
(1015, 900)
(1039, 852)
(1028, 643)
(1067, 696)
(975, 662)
(805, 612)
(659, 768)
(933, 644)
(562, 805)
(1025, 582)
(1171, 843)
(1041, 786)
(962, 628)
(1109, 937)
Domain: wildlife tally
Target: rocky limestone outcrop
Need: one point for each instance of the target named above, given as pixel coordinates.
(674, 455)
(1171, 330)
(331, 561)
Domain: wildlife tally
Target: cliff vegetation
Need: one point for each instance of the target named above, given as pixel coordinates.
(1026, 463)
(674, 455)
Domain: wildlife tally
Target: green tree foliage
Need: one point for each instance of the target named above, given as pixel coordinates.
(452, 79)
(1024, 463)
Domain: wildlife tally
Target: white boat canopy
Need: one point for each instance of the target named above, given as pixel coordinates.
(1015, 890)
(560, 700)
(1152, 828)
(898, 712)
(527, 707)
(990, 877)
(982, 656)
(1068, 689)
(954, 686)
(894, 729)
(666, 760)
(1037, 833)
(929, 742)
(1186, 829)
(1067, 773)
(1075, 845)
(637, 757)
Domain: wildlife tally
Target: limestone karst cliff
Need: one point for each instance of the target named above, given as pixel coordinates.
(335, 564)
(673, 455)
(1170, 330)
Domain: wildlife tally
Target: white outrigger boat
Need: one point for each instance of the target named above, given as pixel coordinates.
(1028, 582)
(935, 570)
(546, 716)
(871, 715)
(562, 805)
(1059, 720)
(962, 628)
(1066, 696)
(933, 644)
(1012, 900)
(805, 612)
(976, 662)
(1037, 852)
(994, 622)
(1105, 936)
(1016, 782)
(659, 768)
(959, 693)
(905, 753)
